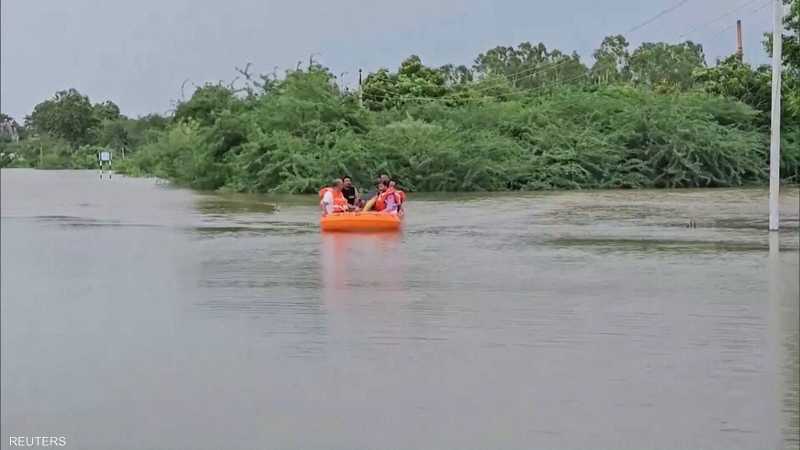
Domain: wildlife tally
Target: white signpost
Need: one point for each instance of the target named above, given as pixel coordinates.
(104, 159)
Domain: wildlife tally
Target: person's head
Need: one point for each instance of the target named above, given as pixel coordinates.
(336, 184)
(383, 178)
(346, 181)
(383, 185)
(392, 184)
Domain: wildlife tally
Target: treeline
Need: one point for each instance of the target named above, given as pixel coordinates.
(524, 117)
(67, 132)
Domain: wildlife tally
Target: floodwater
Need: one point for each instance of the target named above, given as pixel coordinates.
(140, 316)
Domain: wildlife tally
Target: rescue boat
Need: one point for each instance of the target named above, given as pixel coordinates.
(369, 221)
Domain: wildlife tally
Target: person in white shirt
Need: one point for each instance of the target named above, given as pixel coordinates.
(328, 202)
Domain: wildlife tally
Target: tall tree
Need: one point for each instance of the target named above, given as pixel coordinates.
(791, 37)
(530, 66)
(658, 63)
(791, 57)
(107, 110)
(68, 115)
(612, 60)
(206, 104)
(413, 81)
(456, 75)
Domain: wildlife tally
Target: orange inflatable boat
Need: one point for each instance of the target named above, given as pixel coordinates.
(360, 222)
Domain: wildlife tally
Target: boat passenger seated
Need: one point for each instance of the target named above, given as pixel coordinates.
(350, 192)
(401, 196)
(332, 201)
(388, 200)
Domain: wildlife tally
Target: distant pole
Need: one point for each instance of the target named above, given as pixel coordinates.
(775, 138)
(311, 60)
(739, 49)
(360, 97)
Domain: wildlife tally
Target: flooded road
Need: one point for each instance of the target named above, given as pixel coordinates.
(140, 316)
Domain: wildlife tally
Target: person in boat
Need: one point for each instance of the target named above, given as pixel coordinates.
(386, 201)
(349, 191)
(332, 200)
(401, 196)
(372, 194)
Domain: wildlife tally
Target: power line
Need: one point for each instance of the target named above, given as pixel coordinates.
(716, 19)
(553, 65)
(728, 27)
(657, 16)
(539, 69)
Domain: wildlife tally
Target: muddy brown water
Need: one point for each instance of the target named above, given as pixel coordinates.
(136, 315)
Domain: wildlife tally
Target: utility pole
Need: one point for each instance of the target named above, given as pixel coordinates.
(360, 97)
(739, 49)
(311, 60)
(775, 137)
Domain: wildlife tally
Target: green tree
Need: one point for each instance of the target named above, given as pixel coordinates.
(107, 110)
(791, 57)
(413, 81)
(736, 79)
(207, 103)
(129, 134)
(791, 37)
(456, 75)
(612, 60)
(68, 115)
(530, 66)
(660, 63)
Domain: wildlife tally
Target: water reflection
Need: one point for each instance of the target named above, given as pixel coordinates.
(353, 264)
(783, 328)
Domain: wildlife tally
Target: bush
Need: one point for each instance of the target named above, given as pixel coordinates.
(302, 133)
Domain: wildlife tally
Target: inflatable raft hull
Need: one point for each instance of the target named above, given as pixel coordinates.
(360, 222)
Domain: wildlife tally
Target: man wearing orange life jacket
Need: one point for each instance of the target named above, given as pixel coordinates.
(332, 200)
(388, 199)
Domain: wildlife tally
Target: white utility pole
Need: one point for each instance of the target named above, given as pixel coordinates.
(775, 138)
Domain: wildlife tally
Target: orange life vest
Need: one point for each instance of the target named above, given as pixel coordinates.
(339, 201)
(380, 203)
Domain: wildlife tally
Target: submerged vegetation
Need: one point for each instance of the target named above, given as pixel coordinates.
(521, 118)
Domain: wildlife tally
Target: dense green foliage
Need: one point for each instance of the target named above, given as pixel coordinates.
(68, 131)
(523, 117)
(305, 132)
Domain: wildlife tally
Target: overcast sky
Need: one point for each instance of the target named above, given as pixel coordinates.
(137, 53)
